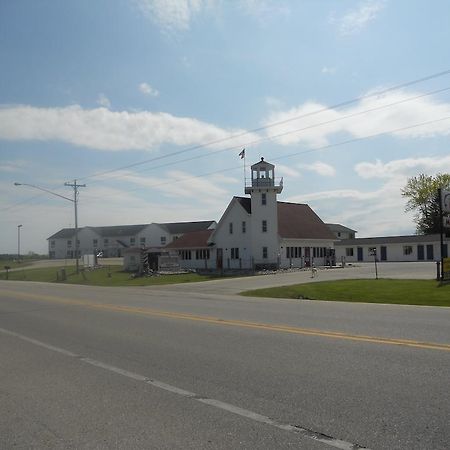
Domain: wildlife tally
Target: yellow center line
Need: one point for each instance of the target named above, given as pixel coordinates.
(230, 322)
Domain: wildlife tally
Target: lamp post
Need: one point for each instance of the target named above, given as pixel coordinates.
(74, 201)
(18, 242)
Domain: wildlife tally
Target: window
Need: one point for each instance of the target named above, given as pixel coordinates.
(293, 252)
(202, 254)
(264, 252)
(132, 241)
(231, 227)
(163, 240)
(235, 253)
(407, 249)
(244, 227)
(142, 240)
(185, 254)
(339, 234)
(94, 242)
(263, 199)
(105, 242)
(52, 244)
(264, 226)
(69, 243)
(349, 251)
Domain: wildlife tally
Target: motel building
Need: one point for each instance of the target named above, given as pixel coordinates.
(392, 248)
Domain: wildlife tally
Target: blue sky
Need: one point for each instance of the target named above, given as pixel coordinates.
(149, 102)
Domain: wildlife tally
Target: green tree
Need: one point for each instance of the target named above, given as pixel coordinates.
(422, 195)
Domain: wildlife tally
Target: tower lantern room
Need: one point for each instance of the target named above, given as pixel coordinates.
(263, 177)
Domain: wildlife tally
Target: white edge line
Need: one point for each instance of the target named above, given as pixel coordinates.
(336, 443)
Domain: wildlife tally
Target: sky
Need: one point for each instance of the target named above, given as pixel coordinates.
(149, 103)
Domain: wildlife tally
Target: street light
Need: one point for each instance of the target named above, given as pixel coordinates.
(18, 242)
(74, 201)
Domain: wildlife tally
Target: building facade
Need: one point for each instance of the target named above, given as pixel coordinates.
(258, 231)
(392, 248)
(112, 241)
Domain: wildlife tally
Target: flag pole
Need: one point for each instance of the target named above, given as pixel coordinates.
(245, 169)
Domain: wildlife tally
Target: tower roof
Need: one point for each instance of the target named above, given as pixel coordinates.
(263, 163)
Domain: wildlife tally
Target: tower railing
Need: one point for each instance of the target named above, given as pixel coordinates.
(263, 182)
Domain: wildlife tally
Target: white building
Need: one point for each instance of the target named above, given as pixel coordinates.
(259, 231)
(112, 241)
(392, 248)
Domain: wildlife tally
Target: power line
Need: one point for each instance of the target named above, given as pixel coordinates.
(282, 122)
(297, 130)
(311, 150)
(268, 126)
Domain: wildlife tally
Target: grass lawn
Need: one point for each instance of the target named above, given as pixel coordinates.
(14, 264)
(99, 277)
(402, 292)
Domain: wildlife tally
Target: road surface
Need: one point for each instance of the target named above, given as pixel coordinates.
(90, 367)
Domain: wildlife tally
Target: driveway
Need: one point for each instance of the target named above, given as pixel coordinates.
(227, 286)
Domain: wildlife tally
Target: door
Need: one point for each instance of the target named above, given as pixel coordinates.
(307, 256)
(430, 253)
(383, 255)
(420, 253)
(360, 253)
(219, 258)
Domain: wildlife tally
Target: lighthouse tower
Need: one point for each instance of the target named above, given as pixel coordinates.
(263, 190)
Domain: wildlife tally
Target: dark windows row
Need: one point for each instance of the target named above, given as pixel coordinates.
(296, 252)
(199, 254)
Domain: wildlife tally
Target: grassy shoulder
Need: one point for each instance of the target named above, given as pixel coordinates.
(105, 276)
(401, 292)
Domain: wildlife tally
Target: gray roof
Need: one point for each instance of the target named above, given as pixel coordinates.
(131, 230)
(337, 227)
(409, 239)
(186, 227)
(65, 233)
(119, 230)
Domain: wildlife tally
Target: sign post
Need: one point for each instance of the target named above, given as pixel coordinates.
(373, 252)
(444, 208)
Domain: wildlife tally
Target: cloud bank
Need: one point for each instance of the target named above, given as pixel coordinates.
(103, 129)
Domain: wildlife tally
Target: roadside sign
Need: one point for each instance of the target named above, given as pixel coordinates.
(445, 195)
(446, 220)
(446, 268)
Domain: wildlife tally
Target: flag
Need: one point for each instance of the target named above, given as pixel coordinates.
(242, 154)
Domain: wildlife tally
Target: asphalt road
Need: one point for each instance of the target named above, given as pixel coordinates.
(86, 367)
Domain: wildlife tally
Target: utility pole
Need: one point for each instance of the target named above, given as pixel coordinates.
(18, 242)
(75, 187)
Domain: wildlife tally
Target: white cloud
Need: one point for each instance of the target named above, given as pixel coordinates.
(103, 100)
(287, 171)
(146, 89)
(172, 15)
(370, 116)
(179, 184)
(103, 129)
(320, 168)
(356, 19)
(371, 212)
(403, 167)
(13, 166)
